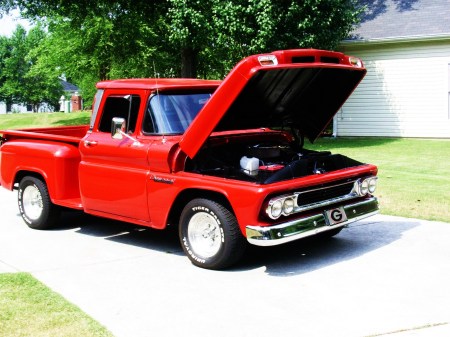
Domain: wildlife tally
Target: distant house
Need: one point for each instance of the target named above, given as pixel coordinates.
(68, 88)
(405, 45)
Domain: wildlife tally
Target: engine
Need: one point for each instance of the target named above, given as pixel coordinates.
(264, 161)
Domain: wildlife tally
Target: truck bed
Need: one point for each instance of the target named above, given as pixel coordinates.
(50, 152)
(67, 134)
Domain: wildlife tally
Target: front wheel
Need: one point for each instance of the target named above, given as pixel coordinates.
(35, 205)
(210, 235)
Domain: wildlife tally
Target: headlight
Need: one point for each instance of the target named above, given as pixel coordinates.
(368, 185)
(276, 208)
(288, 205)
(281, 205)
(364, 187)
(372, 185)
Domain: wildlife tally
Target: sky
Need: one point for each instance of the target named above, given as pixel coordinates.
(9, 22)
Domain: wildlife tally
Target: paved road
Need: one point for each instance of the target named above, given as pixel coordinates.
(379, 276)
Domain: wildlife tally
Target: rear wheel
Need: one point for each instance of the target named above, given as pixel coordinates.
(35, 205)
(210, 235)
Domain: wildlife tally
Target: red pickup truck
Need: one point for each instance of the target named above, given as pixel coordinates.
(223, 160)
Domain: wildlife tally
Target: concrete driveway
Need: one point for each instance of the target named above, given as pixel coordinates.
(379, 276)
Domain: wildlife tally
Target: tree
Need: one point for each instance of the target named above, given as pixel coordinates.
(101, 40)
(41, 83)
(222, 32)
(21, 80)
(126, 38)
(14, 66)
(5, 54)
(190, 30)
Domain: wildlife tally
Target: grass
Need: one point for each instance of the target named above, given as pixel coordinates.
(29, 308)
(29, 120)
(414, 174)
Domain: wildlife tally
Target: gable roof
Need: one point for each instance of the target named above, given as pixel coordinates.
(67, 86)
(385, 20)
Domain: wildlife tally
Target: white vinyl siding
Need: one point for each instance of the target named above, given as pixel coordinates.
(449, 91)
(404, 94)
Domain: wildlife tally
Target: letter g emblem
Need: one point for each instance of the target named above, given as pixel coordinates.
(336, 215)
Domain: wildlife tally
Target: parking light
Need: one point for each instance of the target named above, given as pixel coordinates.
(356, 62)
(268, 60)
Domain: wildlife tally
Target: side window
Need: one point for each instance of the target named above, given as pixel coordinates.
(126, 107)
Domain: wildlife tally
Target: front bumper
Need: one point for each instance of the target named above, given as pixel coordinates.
(311, 225)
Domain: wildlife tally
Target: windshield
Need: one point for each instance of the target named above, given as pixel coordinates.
(173, 113)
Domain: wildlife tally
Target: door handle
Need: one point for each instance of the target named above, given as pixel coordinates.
(89, 143)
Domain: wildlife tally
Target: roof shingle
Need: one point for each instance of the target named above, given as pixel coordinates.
(391, 19)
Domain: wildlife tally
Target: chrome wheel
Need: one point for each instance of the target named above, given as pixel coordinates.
(205, 235)
(35, 205)
(32, 202)
(210, 235)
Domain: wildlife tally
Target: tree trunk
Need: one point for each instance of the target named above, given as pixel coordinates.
(189, 63)
(104, 71)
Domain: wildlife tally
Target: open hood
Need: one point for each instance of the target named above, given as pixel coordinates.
(300, 89)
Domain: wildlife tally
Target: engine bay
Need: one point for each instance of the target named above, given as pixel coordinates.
(264, 160)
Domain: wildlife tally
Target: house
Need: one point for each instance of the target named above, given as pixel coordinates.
(405, 45)
(68, 88)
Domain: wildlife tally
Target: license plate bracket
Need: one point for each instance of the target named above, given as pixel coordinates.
(335, 216)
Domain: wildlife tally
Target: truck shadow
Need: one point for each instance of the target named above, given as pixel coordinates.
(304, 256)
(298, 257)
(160, 240)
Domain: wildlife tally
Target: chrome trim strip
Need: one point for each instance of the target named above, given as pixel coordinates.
(308, 226)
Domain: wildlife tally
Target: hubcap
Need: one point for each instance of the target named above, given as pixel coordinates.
(204, 235)
(32, 202)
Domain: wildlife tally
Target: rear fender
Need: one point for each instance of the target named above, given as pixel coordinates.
(56, 162)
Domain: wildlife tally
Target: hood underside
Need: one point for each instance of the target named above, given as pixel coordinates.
(304, 96)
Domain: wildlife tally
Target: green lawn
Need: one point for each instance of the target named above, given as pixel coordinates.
(29, 308)
(414, 174)
(28, 120)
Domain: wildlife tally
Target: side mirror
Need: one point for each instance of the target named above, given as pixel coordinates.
(118, 127)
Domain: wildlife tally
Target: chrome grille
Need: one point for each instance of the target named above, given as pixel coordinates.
(325, 193)
(325, 196)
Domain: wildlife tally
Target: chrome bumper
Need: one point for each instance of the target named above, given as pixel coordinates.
(311, 225)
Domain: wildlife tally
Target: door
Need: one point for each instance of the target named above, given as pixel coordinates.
(113, 172)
